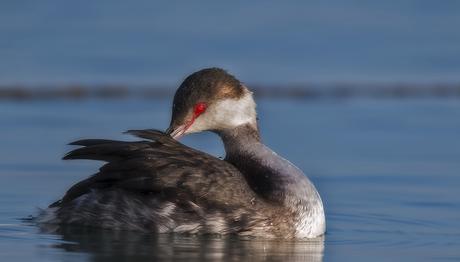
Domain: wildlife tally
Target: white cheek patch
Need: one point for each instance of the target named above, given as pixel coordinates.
(227, 113)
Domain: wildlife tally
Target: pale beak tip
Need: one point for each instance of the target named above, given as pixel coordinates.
(175, 133)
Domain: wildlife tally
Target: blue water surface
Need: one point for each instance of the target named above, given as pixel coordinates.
(387, 170)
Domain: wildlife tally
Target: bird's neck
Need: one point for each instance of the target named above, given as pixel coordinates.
(274, 178)
(240, 140)
(270, 175)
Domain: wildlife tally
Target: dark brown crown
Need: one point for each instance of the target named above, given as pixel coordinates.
(209, 82)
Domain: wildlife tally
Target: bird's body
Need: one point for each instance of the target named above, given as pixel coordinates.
(160, 185)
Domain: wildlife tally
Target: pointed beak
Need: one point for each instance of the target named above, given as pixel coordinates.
(176, 132)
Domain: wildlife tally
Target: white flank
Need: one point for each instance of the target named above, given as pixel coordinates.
(312, 222)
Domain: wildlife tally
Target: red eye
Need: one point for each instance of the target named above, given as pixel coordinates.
(200, 108)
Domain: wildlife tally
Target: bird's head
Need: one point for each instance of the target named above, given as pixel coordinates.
(211, 100)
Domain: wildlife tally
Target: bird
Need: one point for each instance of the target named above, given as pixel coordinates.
(159, 185)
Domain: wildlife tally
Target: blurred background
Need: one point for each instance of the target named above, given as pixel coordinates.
(264, 42)
(361, 95)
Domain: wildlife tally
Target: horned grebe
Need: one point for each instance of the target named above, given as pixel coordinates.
(160, 185)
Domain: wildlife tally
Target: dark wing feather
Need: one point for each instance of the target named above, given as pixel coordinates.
(158, 165)
(91, 142)
(108, 151)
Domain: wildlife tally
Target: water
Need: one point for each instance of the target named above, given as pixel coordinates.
(268, 42)
(387, 170)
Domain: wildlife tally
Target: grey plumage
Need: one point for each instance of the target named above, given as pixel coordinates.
(204, 194)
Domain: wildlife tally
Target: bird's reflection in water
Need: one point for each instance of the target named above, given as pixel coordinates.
(106, 245)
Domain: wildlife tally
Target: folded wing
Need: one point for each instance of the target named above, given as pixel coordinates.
(162, 166)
